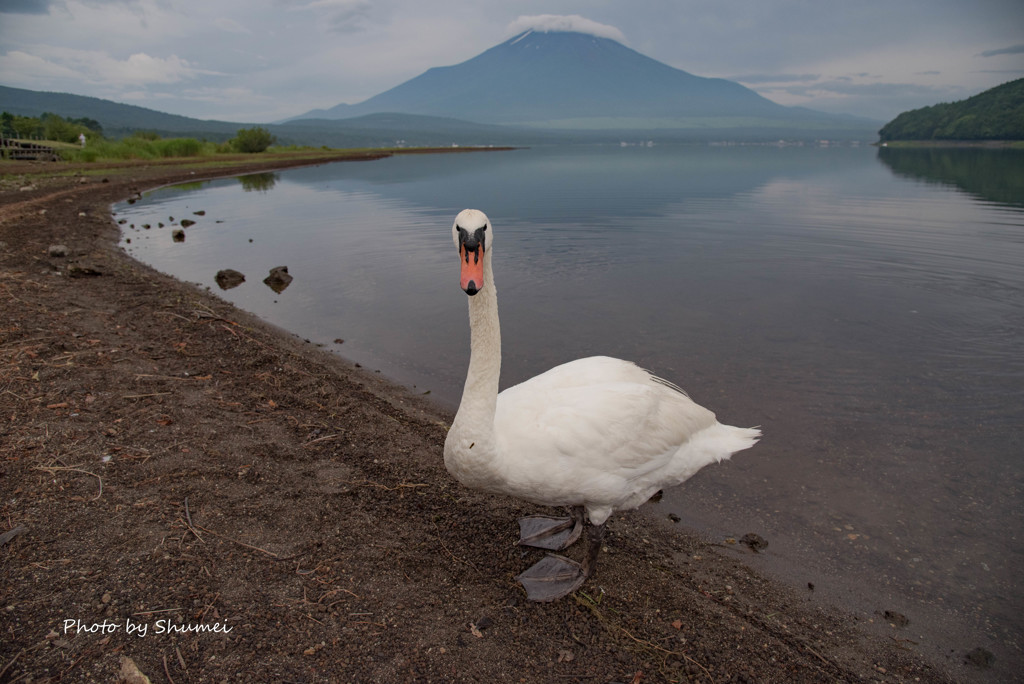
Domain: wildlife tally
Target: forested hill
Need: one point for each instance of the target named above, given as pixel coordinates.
(996, 114)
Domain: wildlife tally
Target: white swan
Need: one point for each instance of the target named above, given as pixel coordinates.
(598, 433)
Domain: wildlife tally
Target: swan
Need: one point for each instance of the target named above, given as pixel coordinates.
(597, 434)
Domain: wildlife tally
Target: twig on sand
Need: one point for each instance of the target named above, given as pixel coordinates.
(240, 543)
(320, 439)
(11, 662)
(446, 550)
(171, 377)
(368, 483)
(181, 661)
(52, 469)
(592, 606)
(171, 313)
(167, 670)
(188, 521)
(159, 610)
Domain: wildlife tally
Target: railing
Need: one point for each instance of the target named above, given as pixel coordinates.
(23, 149)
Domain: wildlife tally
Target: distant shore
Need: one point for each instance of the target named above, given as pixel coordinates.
(989, 144)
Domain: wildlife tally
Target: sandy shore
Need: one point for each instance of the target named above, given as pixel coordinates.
(188, 487)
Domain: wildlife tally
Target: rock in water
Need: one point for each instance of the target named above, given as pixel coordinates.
(229, 278)
(278, 279)
(756, 542)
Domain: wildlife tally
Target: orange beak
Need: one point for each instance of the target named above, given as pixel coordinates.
(472, 276)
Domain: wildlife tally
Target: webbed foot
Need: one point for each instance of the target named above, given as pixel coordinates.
(551, 578)
(555, 576)
(553, 534)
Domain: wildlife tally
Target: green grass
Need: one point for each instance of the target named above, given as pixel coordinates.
(140, 148)
(204, 154)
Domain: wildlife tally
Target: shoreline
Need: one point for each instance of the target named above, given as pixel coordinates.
(171, 457)
(938, 144)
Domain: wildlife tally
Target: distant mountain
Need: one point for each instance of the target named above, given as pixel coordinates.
(996, 114)
(536, 88)
(375, 130)
(568, 80)
(116, 119)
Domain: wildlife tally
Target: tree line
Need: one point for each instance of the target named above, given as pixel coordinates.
(996, 114)
(54, 127)
(49, 126)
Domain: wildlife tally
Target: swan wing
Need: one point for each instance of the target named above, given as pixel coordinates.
(595, 431)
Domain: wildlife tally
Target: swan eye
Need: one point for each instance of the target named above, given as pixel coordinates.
(471, 240)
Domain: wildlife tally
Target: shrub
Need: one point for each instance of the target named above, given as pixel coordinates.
(178, 147)
(252, 140)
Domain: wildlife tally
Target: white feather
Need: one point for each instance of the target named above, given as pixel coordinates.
(598, 432)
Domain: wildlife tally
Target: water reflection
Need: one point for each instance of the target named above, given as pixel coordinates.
(258, 182)
(871, 324)
(994, 175)
(597, 186)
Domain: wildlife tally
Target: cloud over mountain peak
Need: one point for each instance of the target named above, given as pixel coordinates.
(548, 23)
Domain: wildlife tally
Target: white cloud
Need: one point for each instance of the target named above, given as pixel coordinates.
(342, 16)
(548, 23)
(294, 55)
(1012, 50)
(750, 79)
(96, 67)
(230, 25)
(141, 68)
(25, 70)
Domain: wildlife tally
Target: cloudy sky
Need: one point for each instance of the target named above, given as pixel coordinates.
(264, 60)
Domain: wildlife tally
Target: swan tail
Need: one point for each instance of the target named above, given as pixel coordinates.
(731, 439)
(714, 445)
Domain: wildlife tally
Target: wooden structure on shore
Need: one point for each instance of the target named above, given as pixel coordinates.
(26, 149)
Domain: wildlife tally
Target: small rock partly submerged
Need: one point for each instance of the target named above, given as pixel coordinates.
(229, 278)
(278, 279)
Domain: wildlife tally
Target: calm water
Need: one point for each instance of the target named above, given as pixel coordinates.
(864, 306)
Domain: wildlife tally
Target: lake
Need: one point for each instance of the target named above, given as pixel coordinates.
(864, 305)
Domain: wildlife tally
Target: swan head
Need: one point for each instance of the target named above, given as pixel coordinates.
(473, 237)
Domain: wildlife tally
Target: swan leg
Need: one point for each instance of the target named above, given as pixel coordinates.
(554, 576)
(550, 533)
(595, 537)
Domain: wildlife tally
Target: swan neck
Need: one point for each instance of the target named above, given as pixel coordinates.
(470, 449)
(481, 389)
